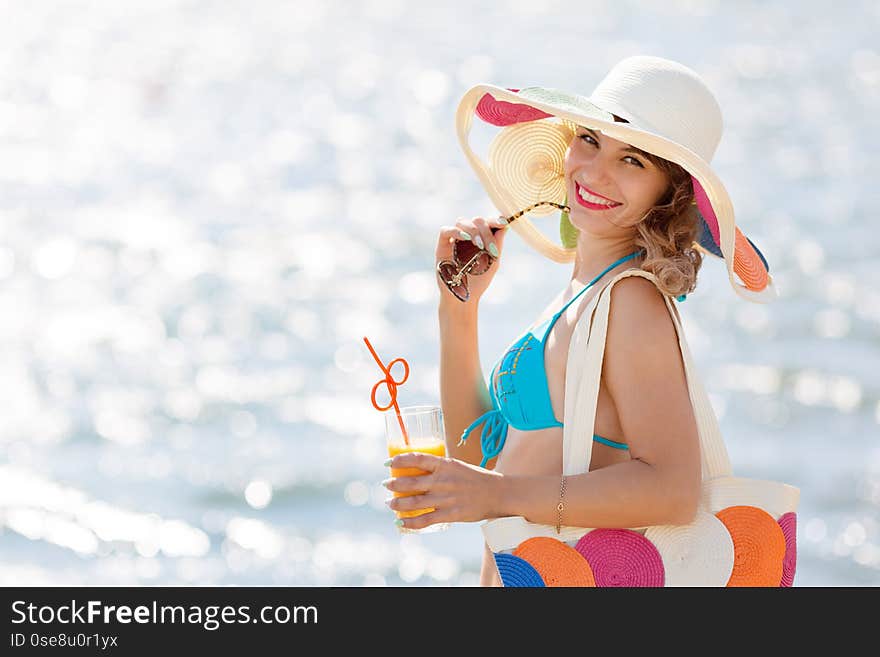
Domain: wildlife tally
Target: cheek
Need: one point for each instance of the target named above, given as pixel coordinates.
(568, 162)
(575, 156)
(641, 192)
(643, 198)
(658, 192)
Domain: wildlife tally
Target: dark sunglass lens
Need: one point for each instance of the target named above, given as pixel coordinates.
(447, 272)
(481, 264)
(463, 251)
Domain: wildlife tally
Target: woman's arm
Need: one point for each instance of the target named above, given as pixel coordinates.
(463, 392)
(644, 373)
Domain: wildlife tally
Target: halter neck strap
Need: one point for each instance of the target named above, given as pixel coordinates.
(592, 282)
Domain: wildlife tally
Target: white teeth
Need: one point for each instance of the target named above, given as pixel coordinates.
(589, 198)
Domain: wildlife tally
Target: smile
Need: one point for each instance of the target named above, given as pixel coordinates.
(592, 200)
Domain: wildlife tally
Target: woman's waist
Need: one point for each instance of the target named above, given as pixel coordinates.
(531, 452)
(539, 452)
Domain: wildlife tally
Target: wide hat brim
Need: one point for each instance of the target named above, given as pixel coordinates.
(525, 161)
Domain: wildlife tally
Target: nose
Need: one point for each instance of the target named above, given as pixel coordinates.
(596, 172)
(584, 158)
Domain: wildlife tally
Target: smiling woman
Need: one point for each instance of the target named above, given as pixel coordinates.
(594, 417)
(670, 224)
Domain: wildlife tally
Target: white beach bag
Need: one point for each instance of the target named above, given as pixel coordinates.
(744, 533)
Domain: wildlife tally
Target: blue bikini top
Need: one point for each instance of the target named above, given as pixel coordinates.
(519, 391)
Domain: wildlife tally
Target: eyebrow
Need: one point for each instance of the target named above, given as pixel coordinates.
(628, 149)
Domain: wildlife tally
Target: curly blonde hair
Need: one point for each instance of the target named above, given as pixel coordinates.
(668, 232)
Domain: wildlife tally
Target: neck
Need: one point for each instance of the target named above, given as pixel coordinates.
(594, 255)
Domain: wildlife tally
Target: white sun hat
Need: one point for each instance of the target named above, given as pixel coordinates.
(670, 113)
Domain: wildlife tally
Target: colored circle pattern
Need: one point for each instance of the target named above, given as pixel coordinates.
(764, 554)
(698, 554)
(788, 522)
(758, 546)
(516, 572)
(621, 557)
(558, 563)
(748, 265)
(527, 160)
(503, 113)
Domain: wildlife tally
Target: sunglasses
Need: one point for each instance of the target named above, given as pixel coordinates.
(467, 258)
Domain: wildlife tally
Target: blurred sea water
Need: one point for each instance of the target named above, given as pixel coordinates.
(205, 206)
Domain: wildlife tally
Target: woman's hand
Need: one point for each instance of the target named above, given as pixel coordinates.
(457, 491)
(477, 230)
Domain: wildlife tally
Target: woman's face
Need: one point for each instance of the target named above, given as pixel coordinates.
(609, 180)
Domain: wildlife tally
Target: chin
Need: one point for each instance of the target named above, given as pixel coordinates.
(588, 223)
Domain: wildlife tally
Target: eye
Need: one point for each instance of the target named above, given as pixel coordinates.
(590, 140)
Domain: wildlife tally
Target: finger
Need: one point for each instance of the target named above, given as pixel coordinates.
(423, 520)
(412, 502)
(445, 237)
(498, 228)
(490, 240)
(444, 232)
(428, 462)
(465, 230)
(469, 225)
(483, 237)
(408, 484)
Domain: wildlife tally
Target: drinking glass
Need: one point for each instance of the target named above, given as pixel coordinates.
(425, 433)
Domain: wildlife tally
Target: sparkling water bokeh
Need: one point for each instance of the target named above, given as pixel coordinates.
(205, 206)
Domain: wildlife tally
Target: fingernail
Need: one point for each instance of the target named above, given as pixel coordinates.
(493, 250)
(478, 241)
(386, 482)
(503, 220)
(465, 236)
(398, 522)
(388, 462)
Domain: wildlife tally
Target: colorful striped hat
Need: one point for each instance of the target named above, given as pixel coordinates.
(670, 113)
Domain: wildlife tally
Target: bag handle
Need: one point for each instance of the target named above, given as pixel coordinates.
(582, 379)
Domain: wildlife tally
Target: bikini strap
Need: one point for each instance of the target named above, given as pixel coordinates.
(591, 283)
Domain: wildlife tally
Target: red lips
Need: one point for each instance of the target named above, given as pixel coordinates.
(596, 193)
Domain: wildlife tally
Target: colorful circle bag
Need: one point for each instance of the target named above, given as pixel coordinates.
(744, 533)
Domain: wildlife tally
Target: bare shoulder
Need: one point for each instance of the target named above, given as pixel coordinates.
(644, 373)
(642, 357)
(638, 313)
(645, 376)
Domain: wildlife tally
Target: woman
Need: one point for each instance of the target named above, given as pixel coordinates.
(630, 206)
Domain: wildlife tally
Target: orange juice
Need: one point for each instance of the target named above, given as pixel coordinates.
(435, 447)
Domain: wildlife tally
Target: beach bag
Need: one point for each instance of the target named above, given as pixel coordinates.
(744, 533)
